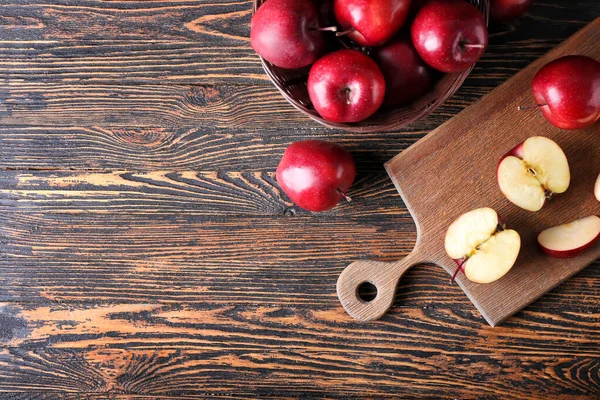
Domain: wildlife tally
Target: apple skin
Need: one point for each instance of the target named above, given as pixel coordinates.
(346, 86)
(316, 174)
(568, 89)
(406, 76)
(441, 30)
(372, 22)
(282, 32)
(506, 10)
(569, 253)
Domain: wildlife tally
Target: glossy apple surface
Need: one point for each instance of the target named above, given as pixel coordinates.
(568, 90)
(569, 240)
(283, 33)
(316, 174)
(449, 35)
(505, 10)
(406, 76)
(346, 86)
(481, 248)
(371, 22)
(531, 172)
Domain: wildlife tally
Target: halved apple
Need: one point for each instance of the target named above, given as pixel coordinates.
(532, 172)
(481, 247)
(568, 240)
(597, 188)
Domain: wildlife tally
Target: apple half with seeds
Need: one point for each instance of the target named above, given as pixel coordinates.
(483, 249)
(532, 172)
(568, 240)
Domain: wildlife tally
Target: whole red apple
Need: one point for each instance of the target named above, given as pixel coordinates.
(505, 10)
(568, 91)
(449, 35)
(406, 76)
(316, 174)
(371, 22)
(346, 86)
(283, 33)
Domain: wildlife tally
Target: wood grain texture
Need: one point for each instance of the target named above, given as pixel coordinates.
(147, 253)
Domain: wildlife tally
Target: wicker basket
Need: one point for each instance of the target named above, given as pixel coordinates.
(292, 85)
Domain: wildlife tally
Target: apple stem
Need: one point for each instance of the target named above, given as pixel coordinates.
(523, 108)
(474, 46)
(347, 198)
(460, 268)
(343, 33)
(347, 92)
(326, 29)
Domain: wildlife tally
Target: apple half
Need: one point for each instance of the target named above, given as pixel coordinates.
(481, 247)
(597, 188)
(532, 172)
(568, 240)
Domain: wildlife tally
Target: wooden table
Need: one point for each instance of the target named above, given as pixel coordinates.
(146, 251)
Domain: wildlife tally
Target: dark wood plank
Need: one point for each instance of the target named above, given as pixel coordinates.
(211, 22)
(199, 240)
(129, 62)
(290, 351)
(214, 50)
(214, 193)
(221, 107)
(184, 149)
(209, 281)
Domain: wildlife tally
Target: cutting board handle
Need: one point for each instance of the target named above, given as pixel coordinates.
(383, 275)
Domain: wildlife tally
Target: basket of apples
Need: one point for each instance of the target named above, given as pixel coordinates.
(368, 65)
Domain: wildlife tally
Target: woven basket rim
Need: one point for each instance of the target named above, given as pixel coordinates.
(399, 117)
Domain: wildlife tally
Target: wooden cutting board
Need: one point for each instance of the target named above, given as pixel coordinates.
(453, 170)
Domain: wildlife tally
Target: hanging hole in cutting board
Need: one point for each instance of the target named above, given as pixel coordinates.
(366, 291)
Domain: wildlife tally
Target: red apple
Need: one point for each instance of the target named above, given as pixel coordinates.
(532, 172)
(346, 86)
(371, 22)
(481, 247)
(315, 174)
(283, 33)
(505, 10)
(567, 91)
(569, 240)
(449, 35)
(406, 76)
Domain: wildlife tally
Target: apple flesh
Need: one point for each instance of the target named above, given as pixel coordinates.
(531, 172)
(316, 174)
(483, 249)
(449, 35)
(569, 240)
(371, 22)
(567, 91)
(283, 32)
(406, 76)
(505, 10)
(346, 86)
(597, 188)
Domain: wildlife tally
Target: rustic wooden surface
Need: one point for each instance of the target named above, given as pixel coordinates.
(146, 252)
(453, 171)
